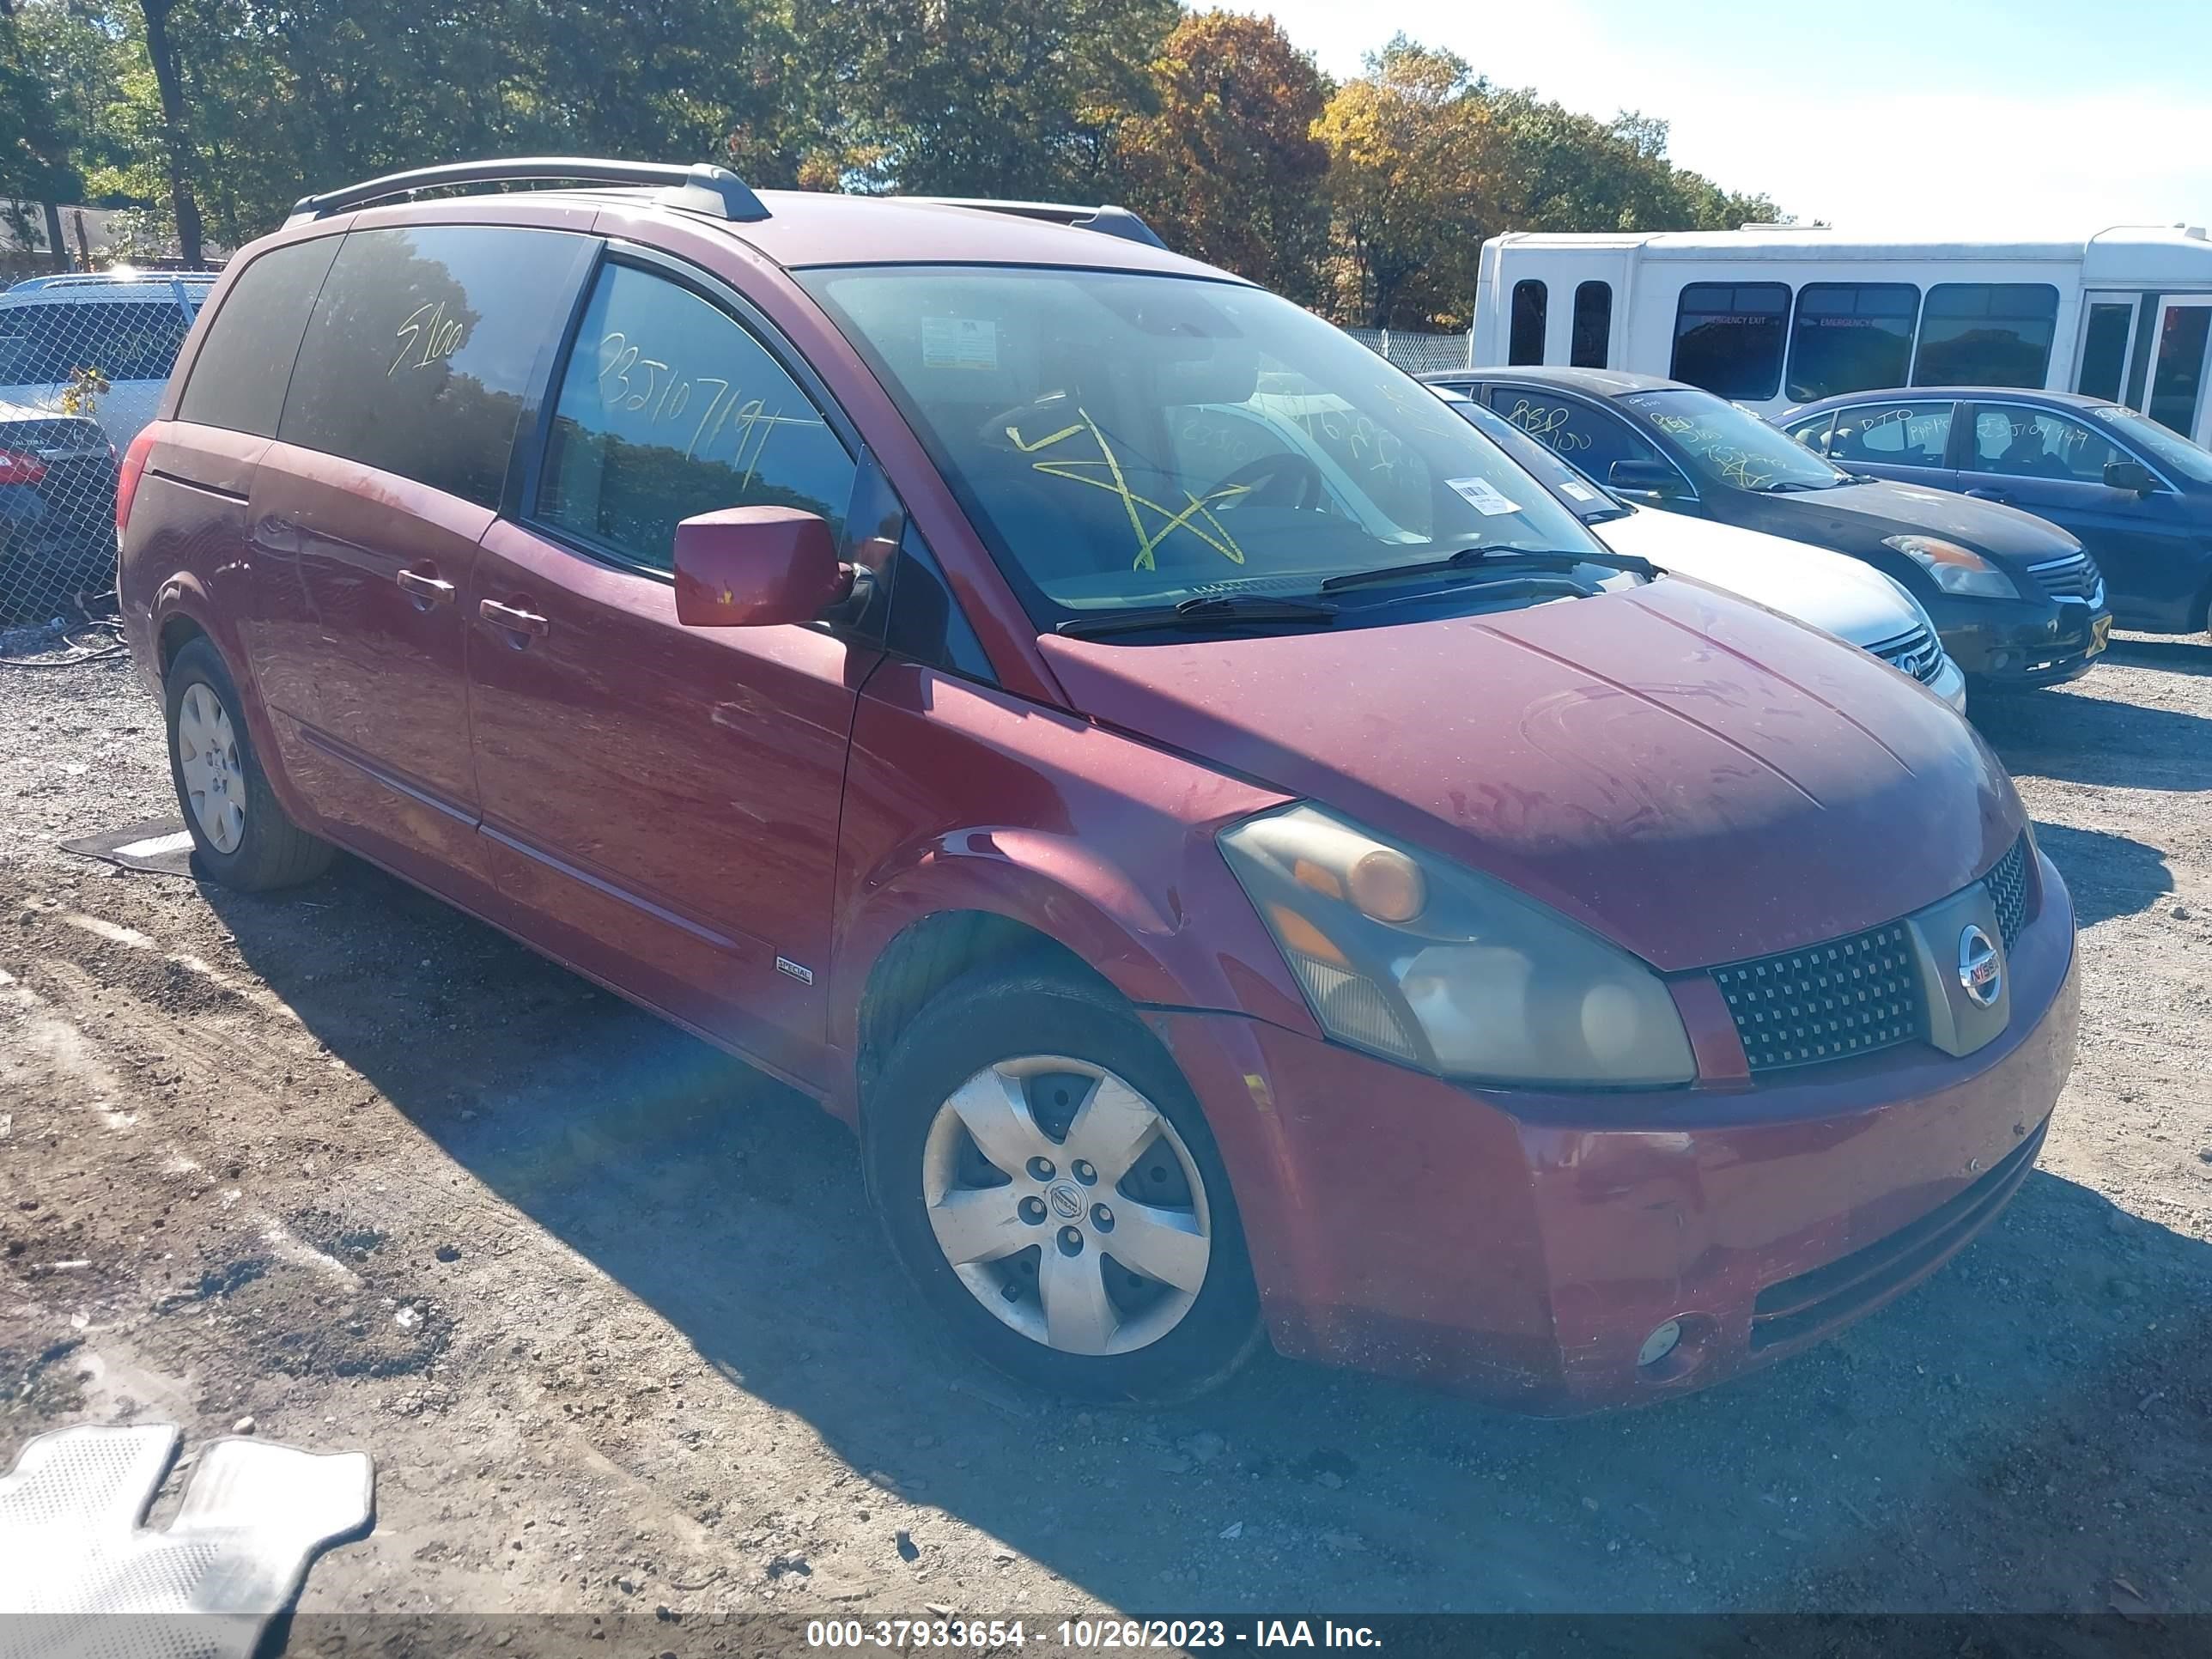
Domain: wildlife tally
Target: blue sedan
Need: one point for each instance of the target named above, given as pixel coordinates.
(2137, 495)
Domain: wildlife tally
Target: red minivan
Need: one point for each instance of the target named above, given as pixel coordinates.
(1243, 857)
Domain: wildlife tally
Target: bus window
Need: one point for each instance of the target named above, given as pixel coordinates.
(1850, 337)
(1527, 345)
(1593, 325)
(1728, 337)
(2105, 350)
(1987, 334)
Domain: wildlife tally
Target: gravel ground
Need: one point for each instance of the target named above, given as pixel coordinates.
(608, 1310)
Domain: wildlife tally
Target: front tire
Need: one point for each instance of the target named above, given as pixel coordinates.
(240, 835)
(1048, 1183)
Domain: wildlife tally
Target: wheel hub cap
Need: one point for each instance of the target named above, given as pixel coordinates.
(1067, 1205)
(208, 765)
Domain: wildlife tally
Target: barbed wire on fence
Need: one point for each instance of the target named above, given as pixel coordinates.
(1417, 353)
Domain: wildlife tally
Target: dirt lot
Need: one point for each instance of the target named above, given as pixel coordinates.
(608, 1311)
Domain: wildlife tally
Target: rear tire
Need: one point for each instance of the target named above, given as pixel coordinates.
(242, 836)
(1053, 1067)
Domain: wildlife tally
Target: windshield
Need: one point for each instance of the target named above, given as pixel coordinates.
(1572, 488)
(1727, 446)
(2167, 447)
(1125, 441)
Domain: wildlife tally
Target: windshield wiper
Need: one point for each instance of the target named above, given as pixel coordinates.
(1788, 486)
(1207, 611)
(1475, 560)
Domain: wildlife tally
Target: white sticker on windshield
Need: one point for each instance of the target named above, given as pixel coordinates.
(1482, 495)
(1580, 492)
(959, 343)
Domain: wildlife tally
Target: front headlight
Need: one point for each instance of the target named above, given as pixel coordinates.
(1413, 957)
(1954, 569)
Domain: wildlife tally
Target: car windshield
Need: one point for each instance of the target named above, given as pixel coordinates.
(1728, 445)
(1572, 488)
(2169, 448)
(1127, 442)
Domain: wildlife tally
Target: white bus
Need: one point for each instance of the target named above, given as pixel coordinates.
(1775, 316)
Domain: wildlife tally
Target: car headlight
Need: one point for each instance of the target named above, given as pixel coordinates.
(1426, 962)
(1954, 569)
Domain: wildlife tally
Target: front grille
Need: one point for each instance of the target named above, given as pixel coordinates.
(1792, 1308)
(2008, 885)
(2073, 577)
(1918, 652)
(1849, 996)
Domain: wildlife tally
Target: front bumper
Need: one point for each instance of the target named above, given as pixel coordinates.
(1950, 684)
(1522, 1246)
(2023, 643)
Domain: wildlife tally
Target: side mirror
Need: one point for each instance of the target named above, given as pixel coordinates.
(1654, 480)
(755, 567)
(2131, 476)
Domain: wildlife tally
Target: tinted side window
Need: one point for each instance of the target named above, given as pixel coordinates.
(2105, 350)
(927, 622)
(1592, 327)
(1850, 337)
(1891, 435)
(668, 408)
(1592, 440)
(2034, 443)
(421, 348)
(246, 361)
(1529, 305)
(1987, 334)
(1728, 337)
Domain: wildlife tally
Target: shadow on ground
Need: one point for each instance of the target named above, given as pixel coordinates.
(2010, 1435)
(2082, 737)
(2108, 875)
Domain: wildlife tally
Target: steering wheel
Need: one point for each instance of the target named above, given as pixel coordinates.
(1271, 479)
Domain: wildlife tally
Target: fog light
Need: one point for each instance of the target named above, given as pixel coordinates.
(1660, 1343)
(2000, 660)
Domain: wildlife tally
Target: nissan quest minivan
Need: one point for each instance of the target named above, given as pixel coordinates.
(914, 647)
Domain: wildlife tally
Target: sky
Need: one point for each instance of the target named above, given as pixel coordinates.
(1959, 117)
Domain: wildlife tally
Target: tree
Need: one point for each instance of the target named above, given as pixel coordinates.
(1227, 167)
(176, 127)
(979, 97)
(33, 141)
(1413, 171)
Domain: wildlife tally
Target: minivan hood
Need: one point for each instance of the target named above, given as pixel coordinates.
(1848, 597)
(1692, 777)
(2004, 534)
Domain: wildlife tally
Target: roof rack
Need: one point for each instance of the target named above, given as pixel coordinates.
(1110, 220)
(702, 189)
(108, 278)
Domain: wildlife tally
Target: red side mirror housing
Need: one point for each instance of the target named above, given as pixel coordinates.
(755, 567)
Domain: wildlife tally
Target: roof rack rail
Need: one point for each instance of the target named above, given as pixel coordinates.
(108, 279)
(1108, 219)
(703, 189)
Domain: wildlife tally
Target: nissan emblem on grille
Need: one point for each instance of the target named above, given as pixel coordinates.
(1981, 975)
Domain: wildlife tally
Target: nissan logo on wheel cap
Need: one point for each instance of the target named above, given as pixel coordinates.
(1980, 973)
(1066, 1203)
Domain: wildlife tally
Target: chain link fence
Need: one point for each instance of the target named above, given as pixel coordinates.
(83, 359)
(1418, 353)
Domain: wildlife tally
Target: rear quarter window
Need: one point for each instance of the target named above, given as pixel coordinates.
(238, 376)
(422, 345)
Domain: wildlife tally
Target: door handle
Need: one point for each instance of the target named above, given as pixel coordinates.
(425, 587)
(513, 619)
